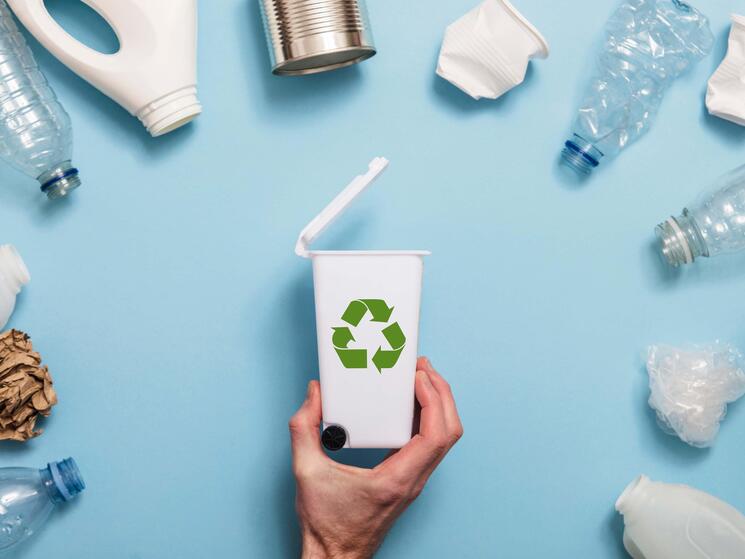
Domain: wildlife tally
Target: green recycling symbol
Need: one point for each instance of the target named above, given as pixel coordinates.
(353, 358)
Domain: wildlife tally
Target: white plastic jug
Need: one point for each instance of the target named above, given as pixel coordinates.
(153, 74)
(367, 322)
(665, 521)
(13, 276)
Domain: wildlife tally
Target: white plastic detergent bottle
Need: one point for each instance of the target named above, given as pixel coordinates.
(665, 521)
(13, 276)
(153, 74)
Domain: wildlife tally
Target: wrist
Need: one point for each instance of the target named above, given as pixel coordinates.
(315, 548)
(312, 548)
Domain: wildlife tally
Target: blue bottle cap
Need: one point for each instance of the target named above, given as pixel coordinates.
(66, 477)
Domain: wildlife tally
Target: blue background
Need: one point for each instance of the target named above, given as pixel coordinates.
(179, 328)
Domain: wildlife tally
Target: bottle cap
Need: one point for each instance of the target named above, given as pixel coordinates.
(66, 477)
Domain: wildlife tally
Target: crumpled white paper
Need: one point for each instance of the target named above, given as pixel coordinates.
(691, 387)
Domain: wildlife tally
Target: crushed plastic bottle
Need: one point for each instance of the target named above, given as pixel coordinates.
(691, 387)
(648, 45)
(28, 496)
(713, 225)
(35, 130)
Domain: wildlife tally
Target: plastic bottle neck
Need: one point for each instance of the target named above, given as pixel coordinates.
(59, 180)
(62, 480)
(171, 111)
(581, 155)
(681, 241)
(13, 271)
(633, 497)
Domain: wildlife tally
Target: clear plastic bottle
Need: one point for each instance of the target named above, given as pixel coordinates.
(648, 44)
(713, 225)
(28, 496)
(35, 130)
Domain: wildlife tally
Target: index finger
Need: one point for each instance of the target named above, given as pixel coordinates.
(424, 451)
(452, 419)
(305, 429)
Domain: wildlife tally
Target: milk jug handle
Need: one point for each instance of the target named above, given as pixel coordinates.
(337, 206)
(37, 19)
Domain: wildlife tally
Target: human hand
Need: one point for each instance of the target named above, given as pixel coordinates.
(345, 512)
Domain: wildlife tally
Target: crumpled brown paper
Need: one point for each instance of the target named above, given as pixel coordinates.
(26, 389)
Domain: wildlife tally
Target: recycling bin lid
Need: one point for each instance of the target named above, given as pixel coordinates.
(338, 205)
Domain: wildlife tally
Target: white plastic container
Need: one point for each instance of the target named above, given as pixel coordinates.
(154, 73)
(367, 320)
(13, 276)
(486, 52)
(665, 521)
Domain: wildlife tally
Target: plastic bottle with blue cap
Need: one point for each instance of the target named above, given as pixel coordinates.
(35, 130)
(648, 45)
(28, 496)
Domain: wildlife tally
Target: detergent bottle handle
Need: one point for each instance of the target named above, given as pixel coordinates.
(37, 19)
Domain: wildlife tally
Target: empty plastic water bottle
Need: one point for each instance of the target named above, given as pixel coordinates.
(714, 224)
(27, 496)
(35, 130)
(648, 44)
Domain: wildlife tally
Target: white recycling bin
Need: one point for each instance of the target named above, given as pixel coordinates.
(367, 320)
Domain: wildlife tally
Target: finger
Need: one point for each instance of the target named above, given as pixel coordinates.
(422, 363)
(431, 415)
(425, 449)
(450, 410)
(305, 427)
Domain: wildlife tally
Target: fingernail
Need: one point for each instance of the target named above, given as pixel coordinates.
(428, 364)
(310, 390)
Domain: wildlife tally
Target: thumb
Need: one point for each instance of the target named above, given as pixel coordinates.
(305, 427)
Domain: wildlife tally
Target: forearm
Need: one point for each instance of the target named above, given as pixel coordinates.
(345, 512)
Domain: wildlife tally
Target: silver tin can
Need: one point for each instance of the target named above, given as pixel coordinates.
(310, 36)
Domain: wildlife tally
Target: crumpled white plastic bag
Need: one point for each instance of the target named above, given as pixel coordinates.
(691, 387)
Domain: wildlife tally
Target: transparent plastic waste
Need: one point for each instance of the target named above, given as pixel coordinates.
(35, 130)
(28, 496)
(691, 387)
(648, 45)
(714, 224)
